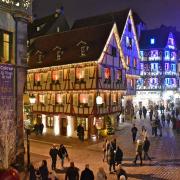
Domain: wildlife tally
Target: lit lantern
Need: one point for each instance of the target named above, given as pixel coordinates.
(99, 100)
(32, 99)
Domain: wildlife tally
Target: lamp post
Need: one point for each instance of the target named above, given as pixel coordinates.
(32, 100)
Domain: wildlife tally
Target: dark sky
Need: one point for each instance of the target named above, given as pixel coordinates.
(153, 12)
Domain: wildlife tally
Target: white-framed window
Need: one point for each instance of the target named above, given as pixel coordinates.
(173, 67)
(173, 55)
(154, 67)
(166, 66)
(167, 55)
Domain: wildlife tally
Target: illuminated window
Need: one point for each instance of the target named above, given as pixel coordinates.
(59, 98)
(173, 67)
(166, 66)
(79, 73)
(107, 73)
(142, 54)
(50, 122)
(167, 55)
(135, 63)
(173, 56)
(152, 41)
(128, 60)
(42, 98)
(128, 42)
(55, 76)
(37, 77)
(83, 98)
(119, 75)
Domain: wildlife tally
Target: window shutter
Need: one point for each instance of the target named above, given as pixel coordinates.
(75, 99)
(86, 74)
(72, 75)
(61, 76)
(90, 100)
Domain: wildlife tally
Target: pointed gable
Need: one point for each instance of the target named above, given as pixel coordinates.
(171, 41)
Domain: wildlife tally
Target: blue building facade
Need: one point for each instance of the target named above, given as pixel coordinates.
(158, 67)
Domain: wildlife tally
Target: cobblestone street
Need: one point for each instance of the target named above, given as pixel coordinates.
(165, 164)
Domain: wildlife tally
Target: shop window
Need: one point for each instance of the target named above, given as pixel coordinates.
(50, 122)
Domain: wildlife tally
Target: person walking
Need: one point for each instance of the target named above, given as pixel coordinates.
(80, 132)
(144, 112)
(140, 113)
(62, 152)
(105, 147)
(87, 174)
(111, 159)
(101, 175)
(168, 119)
(163, 119)
(43, 169)
(121, 172)
(146, 146)
(143, 132)
(139, 150)
(53, 153)
(151, 114)
(32, 172)
(41, 127)
(118, 156)
(134, 131)
(72, 172)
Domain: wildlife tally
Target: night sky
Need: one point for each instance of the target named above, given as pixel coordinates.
(153, 12)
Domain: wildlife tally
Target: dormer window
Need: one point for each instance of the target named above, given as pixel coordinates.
(84, 48)
(59, 53)
(152, 41)
(167, 55)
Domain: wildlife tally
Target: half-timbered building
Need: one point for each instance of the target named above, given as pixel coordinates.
(80, 76)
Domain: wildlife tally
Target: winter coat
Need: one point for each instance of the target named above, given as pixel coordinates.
(44, 172)
(62, 152)
(118, 155)
(139, 148)
(111, 156)
(87, 174)
(53, 153)
(32, 173)
(146, 145)
(72, 174)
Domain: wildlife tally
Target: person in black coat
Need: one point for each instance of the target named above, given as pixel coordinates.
(134, 132)
(32, 172)
(43, 169)
(62, 152)
(87, 174)
(146, 148)
(111, 159)
(118, 156)
(72, 172)
(53, 153)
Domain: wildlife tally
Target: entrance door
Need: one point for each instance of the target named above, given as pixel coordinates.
(64, 126)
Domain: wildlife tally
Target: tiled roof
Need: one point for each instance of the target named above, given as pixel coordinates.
(47, 25)
(118, 17)
(160, 35)
(95, 37)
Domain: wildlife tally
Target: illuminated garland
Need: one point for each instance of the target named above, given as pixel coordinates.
(18, 3)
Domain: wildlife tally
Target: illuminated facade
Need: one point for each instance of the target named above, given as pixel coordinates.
(159, 58)
(14, 16)
(82, 76)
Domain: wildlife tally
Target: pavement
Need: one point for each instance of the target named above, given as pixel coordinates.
(165, 153)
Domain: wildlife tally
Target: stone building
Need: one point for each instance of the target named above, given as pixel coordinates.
(14, 16)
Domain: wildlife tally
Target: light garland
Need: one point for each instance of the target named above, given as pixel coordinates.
(20, 3)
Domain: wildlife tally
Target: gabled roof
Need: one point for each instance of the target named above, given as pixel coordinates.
(115, 17)
(95, 37)
(160, 36)
(48, 25)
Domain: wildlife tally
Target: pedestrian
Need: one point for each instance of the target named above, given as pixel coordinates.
(134, 131)
(146, 146)
(120, 173)
(105, 147)
(62, 152)
(41, 127)
(139, 149)
(111, 159)
(143, 132)
(36, 129)
(87, 174)
(159, 126)
(80, 132)
(144, 112)
(72, 172)
(118, 156)
(151, 114)
(163, 119)
(53, 153)
(32, 172)
(101, 175)
(168, 119)
(113, 143)
(173, 120)
(43, 169)
(140, 113)
(52, 176)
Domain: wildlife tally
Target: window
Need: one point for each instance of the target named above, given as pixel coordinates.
(142, 54)
(79, 73)
(154, 55)
(38, 28)
(135, 63)
(128, 42)
(154, 67)
(166, 66)
(5, 46)
(128, 61)
(114, 51)
(173, 56)
(42, 98)
(107, 73)
(129, 27)
(152, 41)
(55, 76)
(50, 122)
(173, 67)
(167, 55)
(83, 99)
(37, 77)
(119, 75)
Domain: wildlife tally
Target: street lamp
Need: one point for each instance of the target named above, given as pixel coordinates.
(32, 100)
